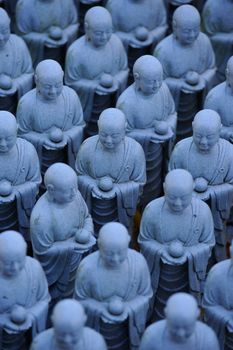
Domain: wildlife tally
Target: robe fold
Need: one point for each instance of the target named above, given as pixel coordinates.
(218, 301)
(34, 297)
(128, 180)
(156, 336)
(26, 181)
(217, 21)
(31, 118)
(18, 64)
(137, 292)
(85, 65)
(89, 338)
(198, 241)
(31, 24)
(60, 267)
(220, 185)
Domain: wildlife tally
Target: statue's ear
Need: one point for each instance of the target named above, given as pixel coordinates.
(50, 189)
(198, 312)
(36, 78)
(136, 76)
(164, 187)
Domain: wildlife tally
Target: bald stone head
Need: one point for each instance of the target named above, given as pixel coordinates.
(113, 244)
(112, 128)
(186, 24)
(148, 74)
(13, 250)
(181, 315)
(98, 26)
(8, 131)
(206, 130)
(229, 73)
(178, 188)
(4, 28)
(49, 79)
(68, 319)
(61, 183)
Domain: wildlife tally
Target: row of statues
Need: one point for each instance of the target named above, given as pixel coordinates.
(104, 117)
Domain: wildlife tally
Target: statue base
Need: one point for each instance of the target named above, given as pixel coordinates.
(9, 216)
(115, 335)
(103, 211)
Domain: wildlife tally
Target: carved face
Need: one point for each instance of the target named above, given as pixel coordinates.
(186, 33)
(181, 327)
(205, 136)
(63, 192)
(178, 197)
(149, 85)
(12, 263)
(111, 135)
(113, 253)
(99, 34)
(8, 137)
(50, 87)
(4, 33)
(68, 334)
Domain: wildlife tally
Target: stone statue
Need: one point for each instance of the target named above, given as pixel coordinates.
(96, 66)
(113, 284)
(151, 120)
(173, 4)
(69, 332)
(189, 65)
(51, 117)
(220, 99)
(47, 26)
(176, 238)
(61, 230)
(16, 73)
(139, 24)
(218, 301)
(111, 171)
(19, 177)
(217, 20)
(209, 159)
(181, 329)
(24, 293)
(83, 6)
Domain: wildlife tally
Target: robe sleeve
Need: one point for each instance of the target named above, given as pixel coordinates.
(215, 300)
(38, 306)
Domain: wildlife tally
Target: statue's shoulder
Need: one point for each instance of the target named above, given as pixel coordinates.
(214, 93)
(77, 45)
(33, 265)
(92, 337)
(28, 99)
(183, 145)
(43, 340)
(153, 207)
(165, 45)
(219, 269)
(89, 144)
(153, 332)
(129, 92)
(89, 262)
(116, 41)
(41, 208)
(25, 145)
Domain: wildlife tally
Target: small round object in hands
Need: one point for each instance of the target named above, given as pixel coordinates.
(116, 307)
(82, 236)
(5, 188)
(55, 33)
(18, 314)
(5, 82)
(201, 184)
(56, 135)
(176, 249)
(106, 80)
(141, 33)
(161, 128)
(192, 78)
(105, 184)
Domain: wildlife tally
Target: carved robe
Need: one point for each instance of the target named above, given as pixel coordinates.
(133, 287)
(52, 226)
